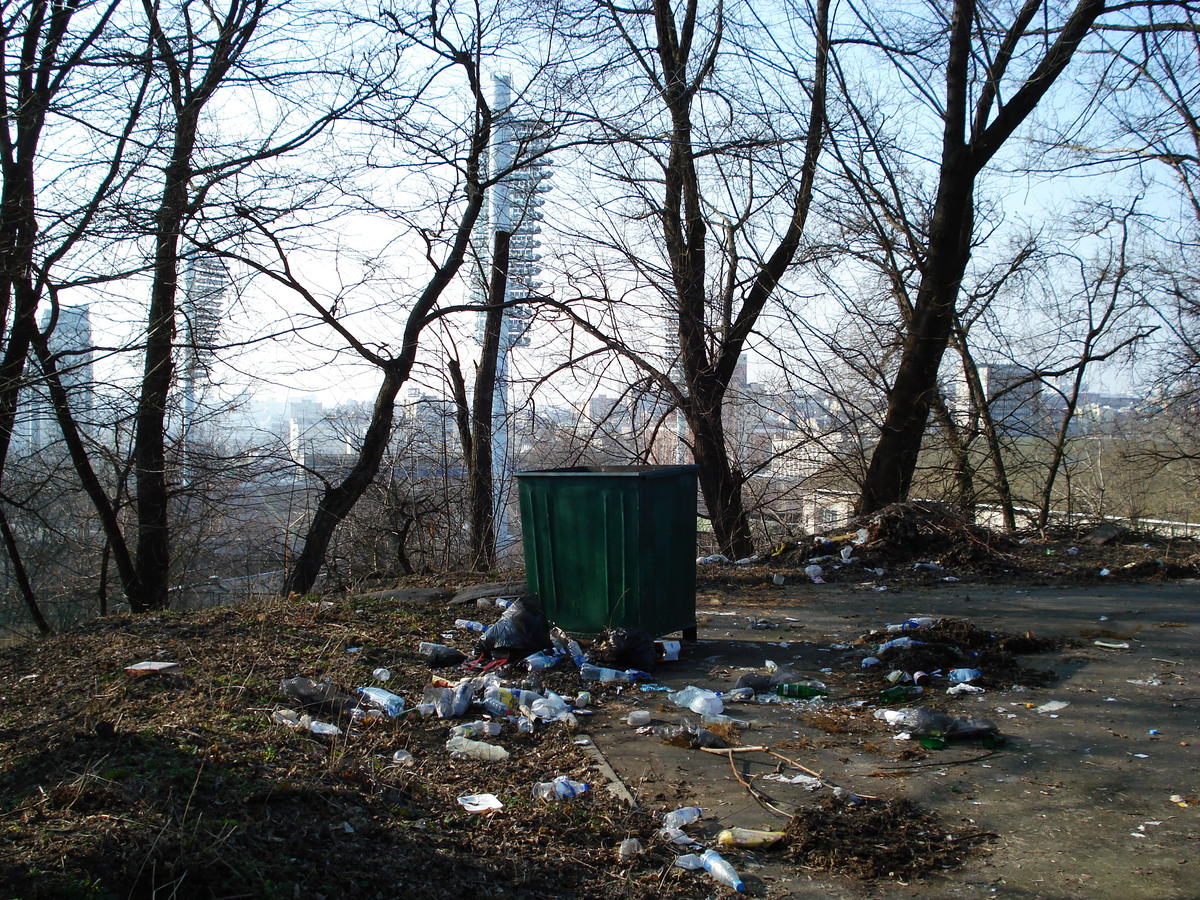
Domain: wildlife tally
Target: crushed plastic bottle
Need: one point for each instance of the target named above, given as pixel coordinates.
(475, 729)
(470, 625)
(465, 748)
(900, 643)
(682, 817)
(963, 676)
(403, 758)
(589, 672)
(562, 788)
(392, 704)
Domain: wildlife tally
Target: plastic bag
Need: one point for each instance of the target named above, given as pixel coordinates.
(311, 695)
(520, 631)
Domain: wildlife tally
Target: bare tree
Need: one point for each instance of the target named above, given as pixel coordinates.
(986, 99)
(706, 162)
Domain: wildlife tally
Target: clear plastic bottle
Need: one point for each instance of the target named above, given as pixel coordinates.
(722, 871)
(392, 704)
(465, 748)
(536, 662)
(681, 817)
(469, 625)
(590, 672)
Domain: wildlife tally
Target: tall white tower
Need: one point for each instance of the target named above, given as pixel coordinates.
(205, 279)
(514, 205)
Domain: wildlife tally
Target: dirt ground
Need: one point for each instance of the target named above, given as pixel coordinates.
(1079, 800)
(185, 784)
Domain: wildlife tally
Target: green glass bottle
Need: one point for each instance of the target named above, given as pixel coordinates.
(800, 691)
(898, 692)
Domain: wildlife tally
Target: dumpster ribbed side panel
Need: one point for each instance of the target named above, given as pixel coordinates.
(612, 547)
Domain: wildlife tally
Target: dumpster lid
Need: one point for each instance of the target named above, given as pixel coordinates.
(626, 471)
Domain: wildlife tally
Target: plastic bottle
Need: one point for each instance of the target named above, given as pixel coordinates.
(800, 691)
(476, 728)
(722, 871)
(465, 748)
(536, 662)
(392, 704)
(684, 816)
(900, 643)
(749, 838)
(499, 701)
(381, 674)
(962, 676)
(575, 652)
(561, 787)
(912, 624)
(470, 625)
(590, 672)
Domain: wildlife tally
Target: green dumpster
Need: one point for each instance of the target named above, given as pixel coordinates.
(612, 546)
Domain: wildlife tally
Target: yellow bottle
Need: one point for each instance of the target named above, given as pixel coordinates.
(749, 838)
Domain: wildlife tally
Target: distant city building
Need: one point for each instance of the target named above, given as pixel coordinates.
(1013, 397)
(318, 438)
(71, 344)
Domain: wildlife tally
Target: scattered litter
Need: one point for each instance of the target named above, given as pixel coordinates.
(1147, 682)
(964, 688)
(1053, 706)
(1141, 756)
(465, 748)
(480, 803)
(403, 758)
(749, 838)
(139, 670)
(561, 788)
(292, 719)
(1112, 645)
(629, 850)
(381, 674)
(710, 560)
(808, 781)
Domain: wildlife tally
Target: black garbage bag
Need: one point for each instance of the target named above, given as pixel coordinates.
(323, 697)
(520, 631)
(626, 648)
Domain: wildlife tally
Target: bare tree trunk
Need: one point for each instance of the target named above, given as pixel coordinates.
(478, 446)
(22, 576)
(338, 499)
(967, 146)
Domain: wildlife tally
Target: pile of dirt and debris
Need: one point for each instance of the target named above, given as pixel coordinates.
(924, 543)
(872, 839)
(957, 650)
